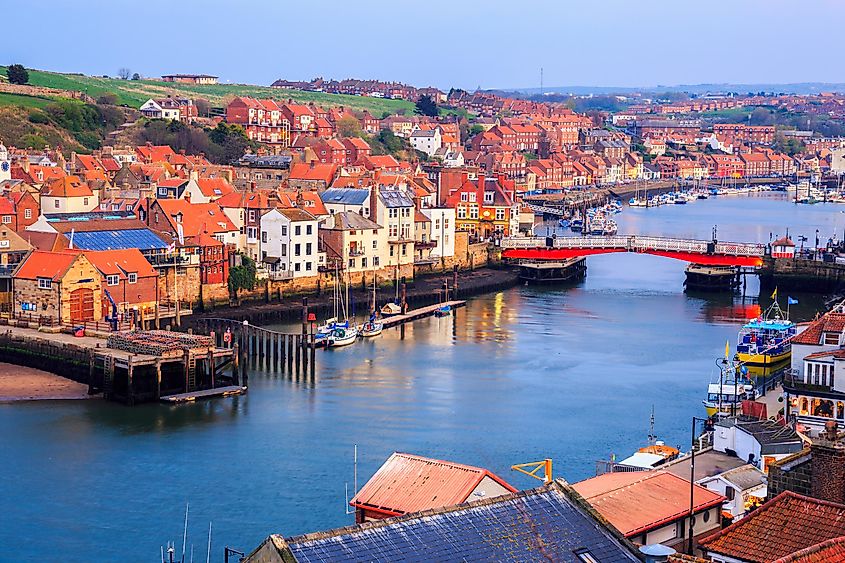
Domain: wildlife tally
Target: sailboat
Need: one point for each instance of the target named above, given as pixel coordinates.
(325, 329)
(344, 333)
(372, 327)
(393, 309)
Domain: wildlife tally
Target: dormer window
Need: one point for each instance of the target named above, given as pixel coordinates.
(831, 338)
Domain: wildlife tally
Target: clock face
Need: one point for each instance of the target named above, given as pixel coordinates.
(4, 166)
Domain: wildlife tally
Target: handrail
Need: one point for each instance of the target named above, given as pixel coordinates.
(639, 243)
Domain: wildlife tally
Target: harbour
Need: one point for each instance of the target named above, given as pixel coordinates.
(566, 372)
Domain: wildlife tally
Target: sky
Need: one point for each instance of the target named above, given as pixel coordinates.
(443, 43)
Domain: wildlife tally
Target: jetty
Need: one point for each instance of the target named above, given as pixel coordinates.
(422, 312)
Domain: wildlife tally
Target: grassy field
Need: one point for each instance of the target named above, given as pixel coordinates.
(135, 92)
(23, 101)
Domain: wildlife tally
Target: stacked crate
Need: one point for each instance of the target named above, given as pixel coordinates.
(157, 342)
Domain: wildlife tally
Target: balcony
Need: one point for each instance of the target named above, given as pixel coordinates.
(423, 244)
(280, 275)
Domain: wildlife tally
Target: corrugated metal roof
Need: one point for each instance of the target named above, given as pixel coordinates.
(410, 483)
(142, 239)
(544, 524)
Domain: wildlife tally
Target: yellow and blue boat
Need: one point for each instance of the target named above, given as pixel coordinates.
(766, 341)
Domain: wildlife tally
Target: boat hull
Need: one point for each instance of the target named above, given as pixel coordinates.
(764, 359)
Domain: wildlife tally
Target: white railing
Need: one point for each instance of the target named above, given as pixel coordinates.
(635, 243)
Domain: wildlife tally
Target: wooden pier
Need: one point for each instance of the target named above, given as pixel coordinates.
(227, 391)
(422, 312)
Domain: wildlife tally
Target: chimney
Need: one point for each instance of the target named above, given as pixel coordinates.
(481, 179)
(188, 197)
(374, 191)
(252, 187)
(828, 465)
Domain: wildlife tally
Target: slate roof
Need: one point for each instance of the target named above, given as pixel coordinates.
(549, 523)
(395, 199)
(350, 221)
(783, 526)
(345, 196)
(410, 483)
(640, 501)
(142, 239)
(773, 438)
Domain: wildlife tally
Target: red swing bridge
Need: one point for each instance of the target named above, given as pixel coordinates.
(705, 252)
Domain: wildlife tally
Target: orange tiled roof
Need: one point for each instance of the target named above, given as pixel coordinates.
(783, 526)
(67, 186)
(121, 262)
(641, 501)
(829, 322)
(410, 483)
(45, 264)
(214, 187)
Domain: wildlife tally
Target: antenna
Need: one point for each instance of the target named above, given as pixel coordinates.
(354, 481)
(185, 534)
(541, 81)
(208, 551)
(651, 436)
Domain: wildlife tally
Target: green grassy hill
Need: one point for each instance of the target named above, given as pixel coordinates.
(135, 92)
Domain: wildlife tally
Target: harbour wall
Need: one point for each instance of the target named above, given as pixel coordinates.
(805, 275)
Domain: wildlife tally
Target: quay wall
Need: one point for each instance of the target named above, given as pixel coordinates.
(806, 275)
(67, 360)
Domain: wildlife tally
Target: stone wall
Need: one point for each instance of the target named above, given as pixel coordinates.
(807, 275)
(828, 471)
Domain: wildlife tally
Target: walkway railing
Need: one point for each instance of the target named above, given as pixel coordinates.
(638, 243)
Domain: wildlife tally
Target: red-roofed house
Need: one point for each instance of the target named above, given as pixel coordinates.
(130, 281)
(783, 248)
(485, 207)
(263, 120)
(63, 287)
(777, 531)
(18, 210)
(356, 148)
(68, 194)
(331, 151)
(651, 507)
(408, 483)
(311, 176)
(169, 215)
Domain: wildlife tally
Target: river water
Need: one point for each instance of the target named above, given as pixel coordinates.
(533, 372)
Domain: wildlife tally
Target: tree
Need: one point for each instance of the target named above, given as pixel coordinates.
(17, 74)
(124, 73)
(426, 106)
(242, 277)
(349, 126)
(107, 99)
(136, 76)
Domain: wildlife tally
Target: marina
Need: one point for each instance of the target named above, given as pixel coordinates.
(563, 372)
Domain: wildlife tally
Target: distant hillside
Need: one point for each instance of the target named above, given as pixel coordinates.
(794, 88)
(135, 92)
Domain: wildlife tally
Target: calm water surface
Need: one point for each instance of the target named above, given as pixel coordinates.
(566, 373)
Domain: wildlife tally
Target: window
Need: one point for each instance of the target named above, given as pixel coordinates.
(375, 244)
(251, 215)
(473, 212)
(7, 219)
(56, 203)
(488, 197)
(472, 197)
(831, 338)
(364, 262)
(500, 214)
(297, 230)
(375, 261)
(391, 250)
(296, 267)
(252, 233)
(45, 283)
(308, 266)
(27, 213)
(112, 280)
(351, 262)
(308, 249)
(296, 249)
(263, 236)
(464, 196)
(462, 212)
(308, 229)
(132, 277)
(284, 230)
(404, 250)
(284, 251)
(585, 556)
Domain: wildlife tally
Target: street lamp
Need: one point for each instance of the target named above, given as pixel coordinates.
(690, 517)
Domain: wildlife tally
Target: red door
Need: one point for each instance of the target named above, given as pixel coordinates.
(81, 305)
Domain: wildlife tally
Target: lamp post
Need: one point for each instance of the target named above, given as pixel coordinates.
(692, 483)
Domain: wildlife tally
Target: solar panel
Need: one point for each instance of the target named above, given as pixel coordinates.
(142, 239)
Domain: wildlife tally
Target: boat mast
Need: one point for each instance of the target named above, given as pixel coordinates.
(652, 439)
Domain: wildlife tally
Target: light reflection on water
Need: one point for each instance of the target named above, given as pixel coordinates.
(567, 373)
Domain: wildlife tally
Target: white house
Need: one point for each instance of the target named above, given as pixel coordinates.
(426, 140)
(442, 230)
(759, 442)
(742, 486)
(342, 200)
(156, 110)
(289, 243)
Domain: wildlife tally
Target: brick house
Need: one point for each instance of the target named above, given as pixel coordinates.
(214, 259)
(18, 210)
(331, 151)
(130, 281)
(485, 207)
(356, 148)
(263, 120)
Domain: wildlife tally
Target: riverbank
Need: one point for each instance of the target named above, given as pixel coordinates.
(419, 292)
(19, 383)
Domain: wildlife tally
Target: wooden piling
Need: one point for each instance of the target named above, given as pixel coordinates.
(158, 378)
(289, 338)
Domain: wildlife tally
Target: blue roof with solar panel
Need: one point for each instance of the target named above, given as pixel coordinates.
(549, 523)
(142, 239)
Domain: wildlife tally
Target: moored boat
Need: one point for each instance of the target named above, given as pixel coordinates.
(727, 396)
(390, 310)
(766, 340)
(371, 328)
(341, 337)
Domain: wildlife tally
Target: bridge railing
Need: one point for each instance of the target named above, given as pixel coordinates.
(636, 243)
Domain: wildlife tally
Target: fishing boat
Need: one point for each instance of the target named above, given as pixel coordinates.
(726, 395)
(766, 340)
(655, 454)
(371, 328)
(564, 223)
(597, 226)
(610, 228)
(576, 225)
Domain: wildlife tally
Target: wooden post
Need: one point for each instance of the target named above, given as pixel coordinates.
(404, 302)
(298, 350)
(313, 348)
(130, 387)
(90, 372)
(455, 281)
(289, 338)
(158, 378)
(236, 352)
(186, 357)
(211, 367)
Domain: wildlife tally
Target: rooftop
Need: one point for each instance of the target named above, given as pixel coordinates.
(640, 501)
(549, 523)
(783, 526)
(410, 483)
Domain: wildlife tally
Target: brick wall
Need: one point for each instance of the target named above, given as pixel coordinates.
(793, 473)
(828, 471)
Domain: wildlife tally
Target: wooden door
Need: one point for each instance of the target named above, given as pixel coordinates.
(81, 305)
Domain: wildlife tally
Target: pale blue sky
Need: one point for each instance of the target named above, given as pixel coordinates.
(463, 43)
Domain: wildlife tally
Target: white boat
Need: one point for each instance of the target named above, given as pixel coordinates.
(341, 337)
(370, 329)
(391, 309)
